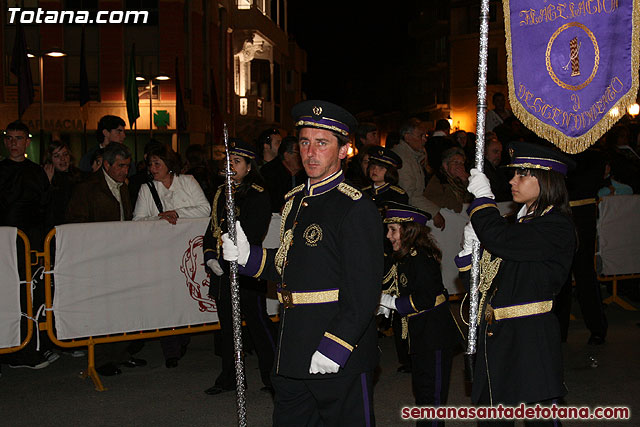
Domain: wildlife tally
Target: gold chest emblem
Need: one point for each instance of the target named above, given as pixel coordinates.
(403, 280)
(312, 235)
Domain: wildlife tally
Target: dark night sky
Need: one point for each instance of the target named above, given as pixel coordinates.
(355, 51)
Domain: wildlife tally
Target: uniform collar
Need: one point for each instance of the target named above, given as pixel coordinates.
(384, 187)
(522, 217)
(329, 183)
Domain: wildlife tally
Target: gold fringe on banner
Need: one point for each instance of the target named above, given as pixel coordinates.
(566, 143)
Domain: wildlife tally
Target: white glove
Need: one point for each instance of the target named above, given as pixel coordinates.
(231, 252)
(479, 185)
(469, 238)
(388, 301)
(214, 265)
(386, 312)
(321, 364)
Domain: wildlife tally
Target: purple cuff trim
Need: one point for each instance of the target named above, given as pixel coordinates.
(209, 255)
(479, 202)
(253, 263)
(334, 351)
(403, 305)
(462, 262)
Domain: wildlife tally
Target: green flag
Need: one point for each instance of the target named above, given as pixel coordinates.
(131, 89)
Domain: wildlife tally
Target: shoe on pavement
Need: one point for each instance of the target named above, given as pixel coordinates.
(108, 370)
(51, 356)
(133, 363)
(35, 365)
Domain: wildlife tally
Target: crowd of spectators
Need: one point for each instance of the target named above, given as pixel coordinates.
(428, 168)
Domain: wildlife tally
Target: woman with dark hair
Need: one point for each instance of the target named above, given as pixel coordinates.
(382, 170)
(414, 291)
(63, 176)
(523, 267)
(253, 210)
(170, 195)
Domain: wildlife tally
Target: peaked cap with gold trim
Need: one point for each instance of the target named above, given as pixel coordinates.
(526, 155)
(323, 115)
(399, 212)
(242, 148)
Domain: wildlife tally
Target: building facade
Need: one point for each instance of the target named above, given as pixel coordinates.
(234, 60)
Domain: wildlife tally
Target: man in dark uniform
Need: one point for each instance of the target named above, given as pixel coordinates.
(329, 266)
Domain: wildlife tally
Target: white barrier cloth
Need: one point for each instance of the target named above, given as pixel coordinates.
(9, 289)
(114, 277)
(619, 234)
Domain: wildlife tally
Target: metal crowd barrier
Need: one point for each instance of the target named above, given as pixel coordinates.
(91, 342)
(614, 298)
(27, 289)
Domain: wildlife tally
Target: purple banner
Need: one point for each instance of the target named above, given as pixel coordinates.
(571, 65)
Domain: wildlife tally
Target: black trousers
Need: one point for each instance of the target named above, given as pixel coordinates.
(587, 286)
(345, 400)
(430, 374)
(486, 401)
(402, 345)
(259, 326)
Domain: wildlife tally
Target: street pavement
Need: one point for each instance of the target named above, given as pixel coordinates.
(157, 396)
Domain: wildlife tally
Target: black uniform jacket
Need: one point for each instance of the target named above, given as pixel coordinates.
(419, 283)
(330, 257)
(254, 213)
(523, 360)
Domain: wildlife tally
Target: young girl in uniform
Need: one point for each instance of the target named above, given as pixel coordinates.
(524, 265)
(415, 291)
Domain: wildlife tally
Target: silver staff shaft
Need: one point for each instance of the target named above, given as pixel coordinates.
(235, 291)
(480, 119)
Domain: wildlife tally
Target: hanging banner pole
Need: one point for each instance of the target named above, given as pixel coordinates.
(235, 291)
(480, 120)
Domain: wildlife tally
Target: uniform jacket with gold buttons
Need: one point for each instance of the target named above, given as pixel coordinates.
(331, 253)
(419, 284)
(520, 358)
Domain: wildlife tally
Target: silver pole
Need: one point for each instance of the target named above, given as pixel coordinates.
(235, 291)
(480, 119)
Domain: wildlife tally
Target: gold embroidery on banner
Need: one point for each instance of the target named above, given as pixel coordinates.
(568, 144)
(596, 49)
(350, 191)
(312, 235)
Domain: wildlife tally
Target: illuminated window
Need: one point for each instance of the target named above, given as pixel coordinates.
(244, 4)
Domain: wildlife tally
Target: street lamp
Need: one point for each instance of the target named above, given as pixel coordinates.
(53, 53)
(159, 77)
